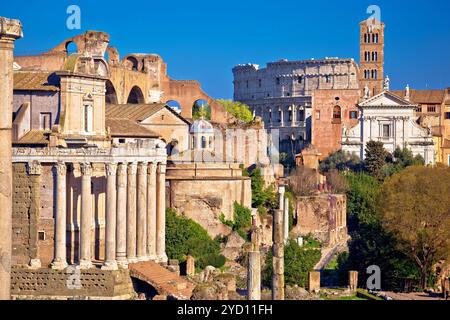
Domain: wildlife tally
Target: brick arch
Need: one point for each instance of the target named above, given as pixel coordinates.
(136, 95)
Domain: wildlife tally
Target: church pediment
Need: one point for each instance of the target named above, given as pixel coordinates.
(386, 99)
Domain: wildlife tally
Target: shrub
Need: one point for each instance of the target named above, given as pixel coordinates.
(297, 261)
(242, 220)
(186, 237)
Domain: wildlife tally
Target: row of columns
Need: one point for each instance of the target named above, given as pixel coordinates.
(135, 215)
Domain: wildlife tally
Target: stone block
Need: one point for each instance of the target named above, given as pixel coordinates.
(314, 281)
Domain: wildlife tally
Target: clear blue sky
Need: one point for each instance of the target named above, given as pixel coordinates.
(204, 39)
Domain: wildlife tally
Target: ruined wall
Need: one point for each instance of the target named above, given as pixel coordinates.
(324, 216)
(52, 284)
(203, 192)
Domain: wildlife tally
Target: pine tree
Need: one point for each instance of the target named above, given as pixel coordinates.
(375, 159)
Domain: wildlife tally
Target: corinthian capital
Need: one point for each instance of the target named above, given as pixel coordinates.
(86, 169)
(61, 169)
(111, 169)
(34, 168)
(10, 29)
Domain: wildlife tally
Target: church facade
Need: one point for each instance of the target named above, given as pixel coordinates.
(389, 119)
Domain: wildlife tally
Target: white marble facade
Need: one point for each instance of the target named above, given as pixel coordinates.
(391, 120)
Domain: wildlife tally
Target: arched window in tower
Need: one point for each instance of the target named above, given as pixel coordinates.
(368, 38)
(365, 38)
(375, 38)
(375, 56)
(337, 114)
(374, 75)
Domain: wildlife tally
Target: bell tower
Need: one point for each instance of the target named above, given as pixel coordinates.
(371, 56)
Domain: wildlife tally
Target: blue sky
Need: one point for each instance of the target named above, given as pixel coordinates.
(204, 39)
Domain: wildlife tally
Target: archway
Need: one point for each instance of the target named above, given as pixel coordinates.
(71, 48)
(337, 114)
(111, 95)
(132, 63)
(175, 105)
(136, 96)
(201, 108)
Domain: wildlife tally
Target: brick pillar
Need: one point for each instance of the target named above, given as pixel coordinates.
(10, 30)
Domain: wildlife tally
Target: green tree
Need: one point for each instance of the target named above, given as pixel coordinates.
(415, 207)
(201, 111)
(341, 161)
(402, 158)
(376, 158)
(371, 243)
(238, 110)
(262, 197)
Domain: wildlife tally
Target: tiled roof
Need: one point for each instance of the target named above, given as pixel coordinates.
(135, 112)
(423, 96)
(29, 80)
(34, 137)
(129, 128)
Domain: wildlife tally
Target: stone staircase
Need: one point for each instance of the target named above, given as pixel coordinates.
(165, 282)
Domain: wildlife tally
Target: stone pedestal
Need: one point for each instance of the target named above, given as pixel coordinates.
(10, 30)
(314, 281)
(353, 280)
(190, 266)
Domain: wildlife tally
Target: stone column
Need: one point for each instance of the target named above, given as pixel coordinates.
(281, 191)
(314, 281)
(121, 222)
(86, 217)
(151, 211)
(131, 213)
(161, 213)
(10, 30)
(142, 212)
(254, 267)
(286, 220)
(278, 257)
(353, 280)
(60, 259)
(190, 266)
(111, 217)
(34, 171)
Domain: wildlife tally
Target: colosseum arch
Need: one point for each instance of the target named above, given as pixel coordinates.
(71, 47)
(175, 105)
(136, 96)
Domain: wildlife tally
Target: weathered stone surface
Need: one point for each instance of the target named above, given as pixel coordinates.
(314, 281)
(68, 283)
(190, 266)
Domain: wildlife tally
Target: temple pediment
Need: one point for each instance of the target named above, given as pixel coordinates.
(387, 99)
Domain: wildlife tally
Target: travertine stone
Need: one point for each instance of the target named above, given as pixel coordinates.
(10, 30)
(86, 217)
(131, 213)
(111, 216)
(190, 266)
(142, 212)
(151, 211)
(353, 280)
(278, 256)
(286, 220)
(121, 223)
(254, 276)
(60, 260)
(314, 281)
(161, 213)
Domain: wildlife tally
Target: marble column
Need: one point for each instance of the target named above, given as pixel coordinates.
(131, 213)
(121, 221)
(111, 206)
(86, 217)
(286, 220)
(34, 169)
(161, 214)
(278, 257)
(10, 30)
(142, 212)
(60, 259)
(151, 211)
